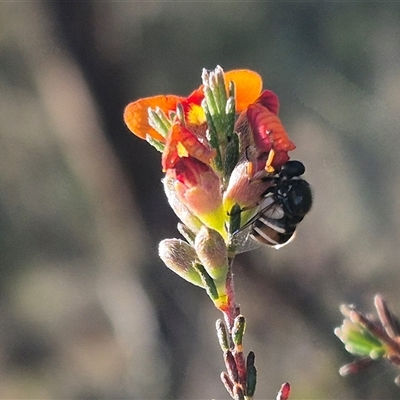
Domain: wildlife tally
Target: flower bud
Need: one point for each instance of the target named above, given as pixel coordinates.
(180, 257)
(180, 209)
(198, 188)
(212, 253)
(284, 392)
(358, 338)
(356, 366)
(242, 189)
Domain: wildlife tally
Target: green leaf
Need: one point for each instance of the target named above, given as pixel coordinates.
(231, 155)
(208, 282)
(159, 121)
(239, 327)
(155, 143)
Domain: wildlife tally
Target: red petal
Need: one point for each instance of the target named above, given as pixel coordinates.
(196, 97)
(189, 170)
(180, 136)
(268, 131)
(269, 100)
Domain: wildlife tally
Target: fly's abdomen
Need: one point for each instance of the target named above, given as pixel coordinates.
(272, 232)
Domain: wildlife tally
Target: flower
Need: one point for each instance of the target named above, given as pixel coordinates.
(266, 144)
(214, 167)
(248, 85)
(222, 147)
(261, 127)
(182, 143)
(358, 339)
(369, 338)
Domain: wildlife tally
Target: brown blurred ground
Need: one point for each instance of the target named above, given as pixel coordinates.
(86, 308)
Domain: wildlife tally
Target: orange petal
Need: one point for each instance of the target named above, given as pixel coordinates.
(136, 114)
(248, 86)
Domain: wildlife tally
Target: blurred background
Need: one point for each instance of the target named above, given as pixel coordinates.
(87, 310)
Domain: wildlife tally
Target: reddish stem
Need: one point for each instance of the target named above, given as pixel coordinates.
(230, 313)
(233, 310)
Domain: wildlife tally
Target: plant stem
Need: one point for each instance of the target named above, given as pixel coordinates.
(233, 309)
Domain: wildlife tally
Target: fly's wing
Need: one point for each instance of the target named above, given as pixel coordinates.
(269, 208)
(241, 241)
